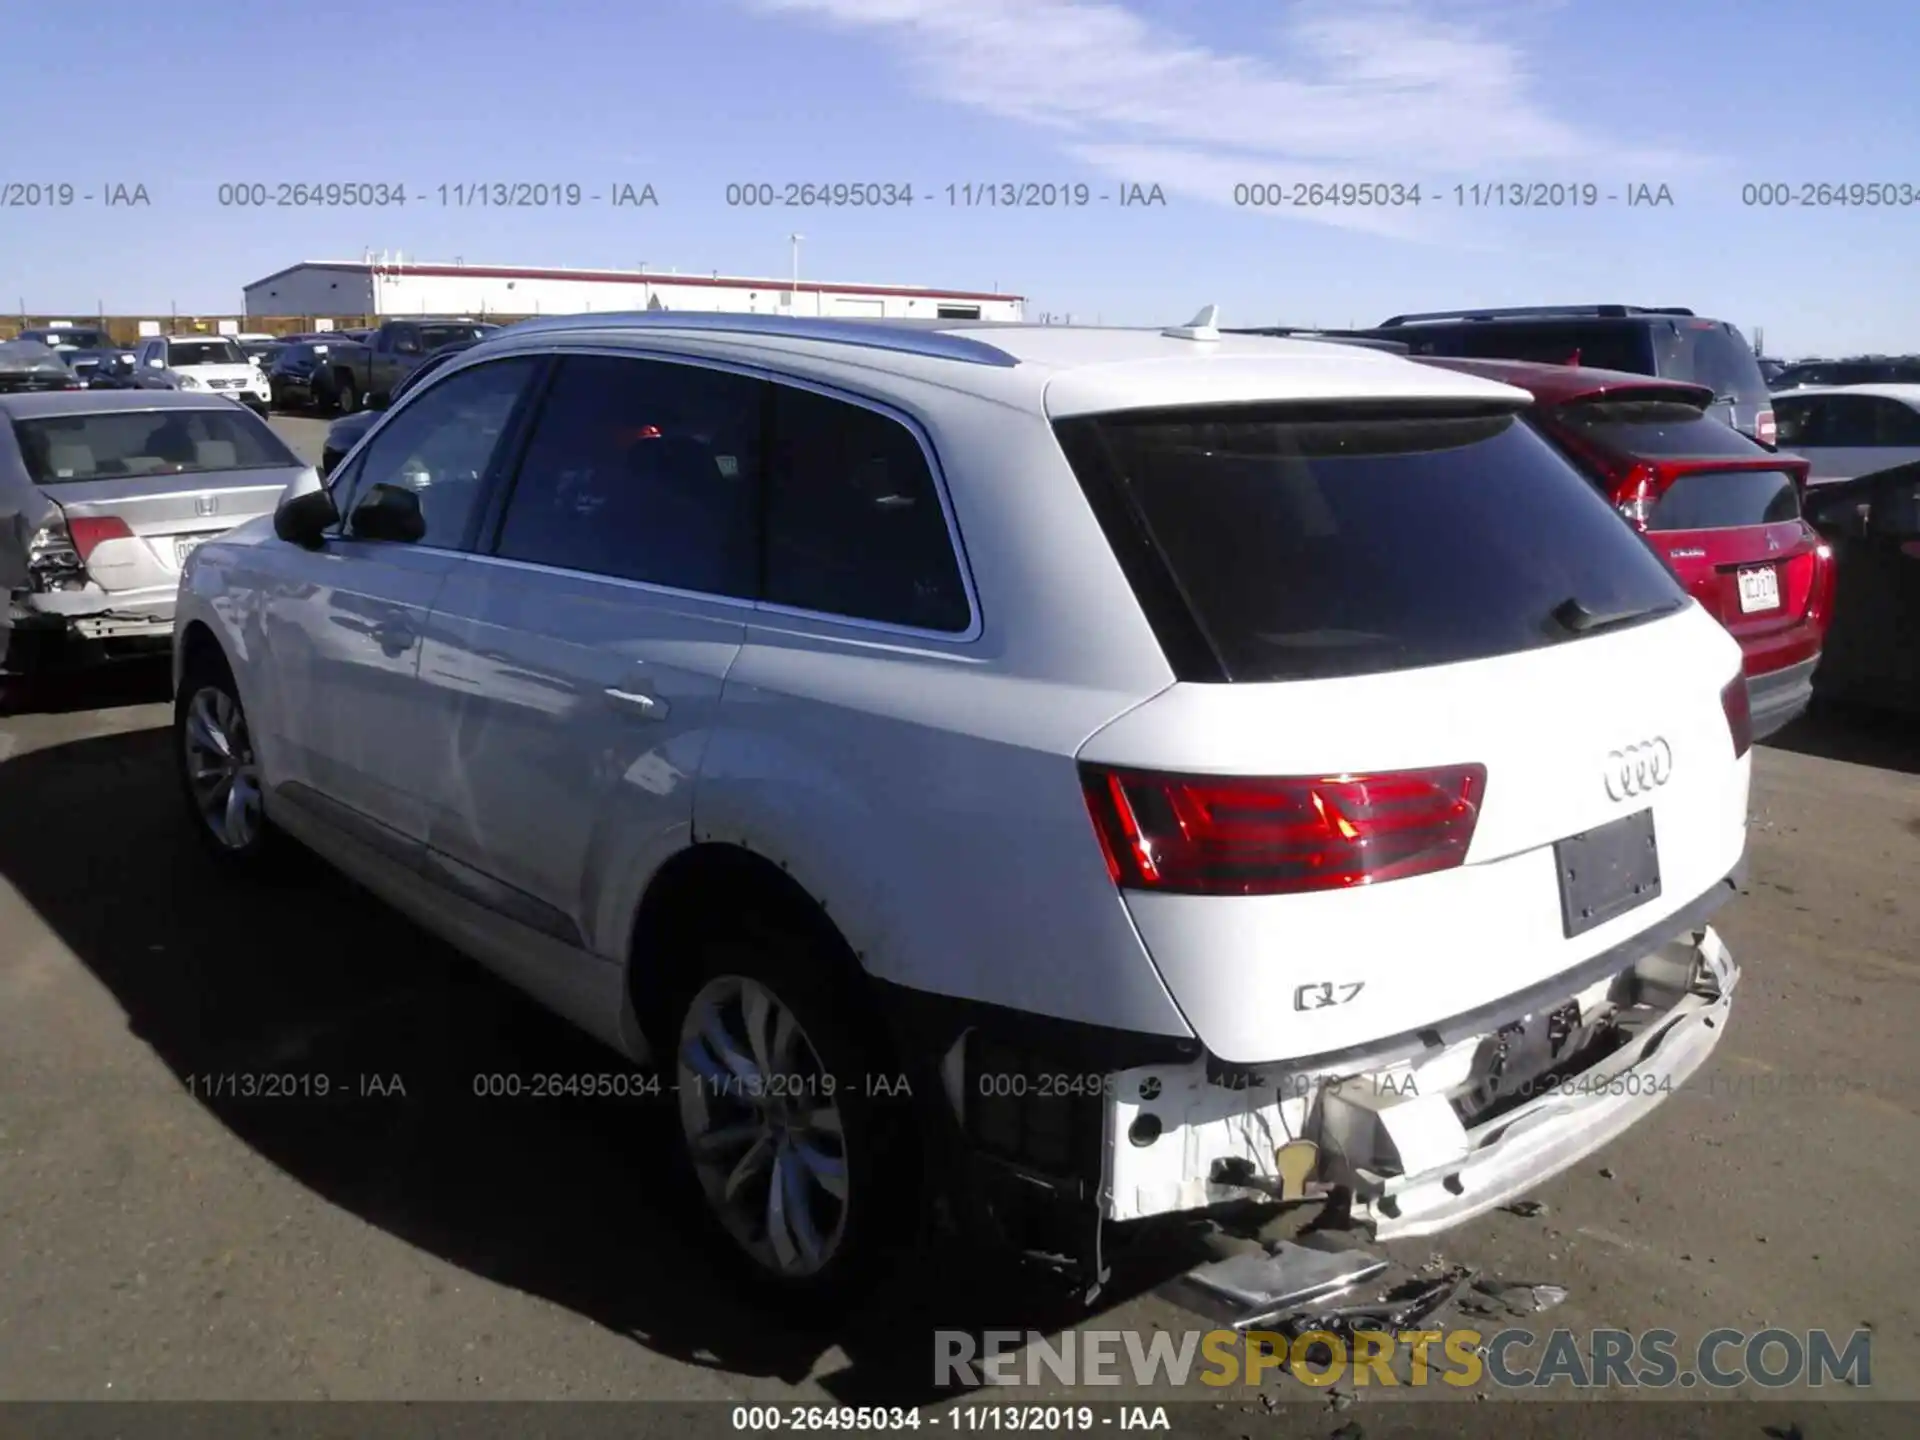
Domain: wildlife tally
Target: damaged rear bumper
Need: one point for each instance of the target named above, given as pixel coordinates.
(1416, 1144)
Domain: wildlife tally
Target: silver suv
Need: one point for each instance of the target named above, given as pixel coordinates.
(1079, 776)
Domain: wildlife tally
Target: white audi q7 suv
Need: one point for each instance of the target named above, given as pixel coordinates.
(1044, 776)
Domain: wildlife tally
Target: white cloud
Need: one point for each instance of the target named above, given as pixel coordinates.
(1368, 90)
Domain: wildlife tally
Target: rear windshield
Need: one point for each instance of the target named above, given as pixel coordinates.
(1602, 346)
(1725, 500)
(1715, 354)
(64, 449)
(1654, 428)
(204, 352)
(1329, 544)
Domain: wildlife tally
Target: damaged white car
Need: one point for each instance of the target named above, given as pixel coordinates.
(1053, 777)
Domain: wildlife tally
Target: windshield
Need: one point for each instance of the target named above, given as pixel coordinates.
(69, 339)
(1353, 545)
(204, 352)
(63, 449)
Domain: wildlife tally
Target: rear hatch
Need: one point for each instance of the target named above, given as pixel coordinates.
(1715, 354)
(139, 489)
(1420, 659)
(1722, 511)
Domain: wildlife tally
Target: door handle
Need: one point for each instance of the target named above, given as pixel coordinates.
(647, 707)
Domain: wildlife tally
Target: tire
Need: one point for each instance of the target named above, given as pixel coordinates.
(214, 754)
(346, 398)
(847, 1198)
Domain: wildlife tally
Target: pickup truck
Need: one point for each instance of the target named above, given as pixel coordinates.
(367, 372)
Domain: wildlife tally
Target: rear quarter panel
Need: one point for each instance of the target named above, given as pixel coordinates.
(924, 789)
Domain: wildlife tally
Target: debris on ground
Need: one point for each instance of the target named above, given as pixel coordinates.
(1525, 1209)
(1491, 1296)
(1606, 1172)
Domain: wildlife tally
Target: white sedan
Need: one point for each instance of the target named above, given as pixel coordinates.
(1849, 430)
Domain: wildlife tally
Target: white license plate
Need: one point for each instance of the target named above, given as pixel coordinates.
(185, 545)
(1759, 589)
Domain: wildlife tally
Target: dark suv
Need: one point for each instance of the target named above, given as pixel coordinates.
(1672, 344)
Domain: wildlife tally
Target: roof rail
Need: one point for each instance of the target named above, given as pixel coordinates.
(1536, 312)
(1332, 337)
(910, 337)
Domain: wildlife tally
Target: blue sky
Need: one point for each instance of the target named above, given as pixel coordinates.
(1193, 95)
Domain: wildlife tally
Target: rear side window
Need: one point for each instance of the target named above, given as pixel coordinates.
(1602, 346)
(1331, 544)
(1826, 420)
(642, 470)
(854, 521)
(1725, 500)
(1656, 429)
(1895, 423)
(125, 443)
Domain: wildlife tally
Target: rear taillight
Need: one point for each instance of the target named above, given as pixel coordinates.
(1766, 429)
(1221, 835)
(89, 531)
(1637, 492)
(1826, 576)
(1739, 707)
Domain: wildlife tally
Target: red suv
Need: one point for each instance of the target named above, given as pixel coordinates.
(1722, 511)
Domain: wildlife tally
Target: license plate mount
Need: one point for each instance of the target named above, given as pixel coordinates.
(1607, 871)
(1759, 589)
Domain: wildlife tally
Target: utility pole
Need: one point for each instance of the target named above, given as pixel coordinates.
(794, 241)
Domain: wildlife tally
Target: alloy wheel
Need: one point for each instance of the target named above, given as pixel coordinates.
(221, 770)
(763, 1127)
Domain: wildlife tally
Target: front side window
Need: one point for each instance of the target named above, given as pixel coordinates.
(642, 470)
(63, 448)
(442, 444)
(854, 521)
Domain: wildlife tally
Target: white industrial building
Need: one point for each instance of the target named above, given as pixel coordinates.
(374, 287)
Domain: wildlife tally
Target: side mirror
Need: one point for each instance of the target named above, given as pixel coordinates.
(378, 402)
(389, 512)
(304, 516)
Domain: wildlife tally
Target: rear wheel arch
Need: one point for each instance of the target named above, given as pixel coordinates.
(709, 885)
(197, 644)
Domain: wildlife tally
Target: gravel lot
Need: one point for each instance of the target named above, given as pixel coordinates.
(428, 1244)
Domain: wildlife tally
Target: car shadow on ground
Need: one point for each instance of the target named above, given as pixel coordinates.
(1884, 739)
(140, 681)
(306, 975)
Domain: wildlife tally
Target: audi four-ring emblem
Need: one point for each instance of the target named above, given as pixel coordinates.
(1636, 769)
